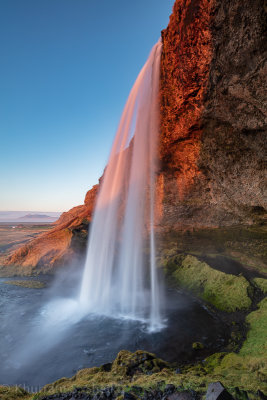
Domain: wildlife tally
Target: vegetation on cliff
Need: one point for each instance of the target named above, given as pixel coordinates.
(224, 291)
(30, 284)
(261, 283)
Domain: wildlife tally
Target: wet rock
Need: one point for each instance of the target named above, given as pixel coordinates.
(261, 395)
(240, 394)
(216, 391)
(185, 395)
(197, 346)
(106, 367)
(137, 389)
(169, 388)
(109, 393)
(129, 396)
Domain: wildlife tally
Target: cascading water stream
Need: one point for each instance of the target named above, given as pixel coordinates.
(116, 281)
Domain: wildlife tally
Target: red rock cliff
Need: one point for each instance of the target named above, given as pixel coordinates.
(58, 245)
(213, 114)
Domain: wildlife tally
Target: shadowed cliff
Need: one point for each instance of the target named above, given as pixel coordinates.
(213, 114)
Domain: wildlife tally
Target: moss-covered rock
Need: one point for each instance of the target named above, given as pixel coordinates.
(248, 368)
(197, 346)
(14, 393)
(126, 368)
(129, 364)
(27, 284)
(224, 291)
(261, 283)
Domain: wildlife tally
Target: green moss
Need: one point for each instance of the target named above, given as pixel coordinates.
(197, 346)
(126, 368)
(129, 364)
(13, 393)
(248, 368)
(27, 284)
(256, 343)
(226, 292)
(261, 283)
(213, 361)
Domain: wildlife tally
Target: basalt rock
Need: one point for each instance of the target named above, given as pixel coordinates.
(213, 114)
(216, 391)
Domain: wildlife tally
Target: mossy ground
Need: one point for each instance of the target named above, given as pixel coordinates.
(224, 291)
(261, 283)
(13, 393)
(248, 368)
(27, 284)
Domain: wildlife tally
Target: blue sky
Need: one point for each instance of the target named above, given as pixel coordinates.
(66, 69)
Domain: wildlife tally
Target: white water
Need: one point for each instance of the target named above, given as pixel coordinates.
(116, 279)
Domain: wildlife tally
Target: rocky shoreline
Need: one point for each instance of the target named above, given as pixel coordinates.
(215, 391)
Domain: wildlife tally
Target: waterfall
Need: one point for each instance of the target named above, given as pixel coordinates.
(119, 278)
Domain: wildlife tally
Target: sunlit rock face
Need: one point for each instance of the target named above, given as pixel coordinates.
(213, 115)
(213, 122)
(63, 243)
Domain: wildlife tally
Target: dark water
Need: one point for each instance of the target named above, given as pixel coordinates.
(34, 353)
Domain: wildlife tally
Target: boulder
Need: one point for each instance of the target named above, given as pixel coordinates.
(216, 391)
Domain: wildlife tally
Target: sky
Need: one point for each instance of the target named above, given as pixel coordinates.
(66, 69)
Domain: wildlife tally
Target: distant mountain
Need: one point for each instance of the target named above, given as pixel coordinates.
(28, 216)
(34, 216)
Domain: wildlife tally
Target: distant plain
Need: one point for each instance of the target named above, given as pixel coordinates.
(14, 235)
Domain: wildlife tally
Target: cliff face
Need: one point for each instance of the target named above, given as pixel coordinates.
(213, 114)
(213, 121)
(65, 240)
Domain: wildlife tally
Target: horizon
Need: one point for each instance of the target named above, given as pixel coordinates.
(64, 82)
(28, 211)
(28, 216)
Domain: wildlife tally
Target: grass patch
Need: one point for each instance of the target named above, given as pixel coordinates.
(27, 284)
(224, 291)
(13, 393)
(248, 368)
(261, 283)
